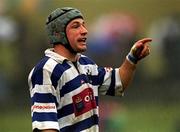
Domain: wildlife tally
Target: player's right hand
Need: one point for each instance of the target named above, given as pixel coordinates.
(139, 50)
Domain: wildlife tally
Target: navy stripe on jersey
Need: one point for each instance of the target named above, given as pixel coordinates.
(77, 82)
(37, 76)
(98, 80)
(97, 100)
(47, 116)
(82, 125)
(111, 90)
(43, 98)
(85, 61)
(73, 84)
(66, 110)
(57, 72)
(69, 109)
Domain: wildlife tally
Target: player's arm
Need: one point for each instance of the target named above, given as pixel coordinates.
(139, 50)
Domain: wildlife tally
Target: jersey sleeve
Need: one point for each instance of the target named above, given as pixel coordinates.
(111, 82)
(43, 101)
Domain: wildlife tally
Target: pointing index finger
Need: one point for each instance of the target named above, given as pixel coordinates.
(145, 40)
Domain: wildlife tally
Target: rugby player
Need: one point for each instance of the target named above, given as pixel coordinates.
(65, 84)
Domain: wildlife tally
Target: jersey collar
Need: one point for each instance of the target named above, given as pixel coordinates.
(60, 59)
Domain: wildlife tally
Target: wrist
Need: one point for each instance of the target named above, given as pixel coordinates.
(131, 58)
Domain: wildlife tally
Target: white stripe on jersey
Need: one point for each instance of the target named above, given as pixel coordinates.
(29, 79)
(43, 89)
(71, 72)
(92, 129)
(48, 68)
(44, 107)
(119, 90)
(45, 125)
(71, 119)
(107, 78)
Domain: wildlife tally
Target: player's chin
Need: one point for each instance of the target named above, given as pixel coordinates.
(82, 48)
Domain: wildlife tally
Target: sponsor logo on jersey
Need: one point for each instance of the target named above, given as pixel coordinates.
(84, 102)
(43, 107)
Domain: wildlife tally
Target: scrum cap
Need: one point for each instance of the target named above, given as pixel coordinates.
(56, 24)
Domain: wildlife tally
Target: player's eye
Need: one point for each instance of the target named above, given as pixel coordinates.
(75, 25)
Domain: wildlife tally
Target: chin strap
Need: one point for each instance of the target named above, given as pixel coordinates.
(68, 46)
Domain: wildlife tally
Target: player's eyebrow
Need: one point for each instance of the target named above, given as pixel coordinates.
(77, 22)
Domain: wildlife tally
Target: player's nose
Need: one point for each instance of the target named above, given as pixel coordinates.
(84, 30)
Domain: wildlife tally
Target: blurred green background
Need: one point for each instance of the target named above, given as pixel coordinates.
(152, 101)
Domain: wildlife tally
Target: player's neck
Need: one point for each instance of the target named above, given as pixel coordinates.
(61, 50)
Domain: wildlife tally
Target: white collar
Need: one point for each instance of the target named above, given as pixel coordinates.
(50, 53)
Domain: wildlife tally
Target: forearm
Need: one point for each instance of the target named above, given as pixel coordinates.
(126, 72)
(139, 50)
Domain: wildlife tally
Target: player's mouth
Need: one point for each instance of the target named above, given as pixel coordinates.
(82, 40)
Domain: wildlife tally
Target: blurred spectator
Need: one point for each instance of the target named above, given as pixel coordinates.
(165, 57)
(8, 30)
(8, 34)
(113, 34)
(7, 25)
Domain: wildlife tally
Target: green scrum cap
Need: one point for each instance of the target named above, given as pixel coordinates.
(56, 24)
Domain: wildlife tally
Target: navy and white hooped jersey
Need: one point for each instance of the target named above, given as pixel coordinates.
(64, 95)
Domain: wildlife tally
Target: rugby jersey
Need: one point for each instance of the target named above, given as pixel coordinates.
(64, 95)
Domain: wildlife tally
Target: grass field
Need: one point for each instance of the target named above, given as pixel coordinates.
(19, 121)
(135, 118)
(153, 118)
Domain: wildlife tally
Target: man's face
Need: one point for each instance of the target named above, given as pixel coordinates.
(77, 35)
